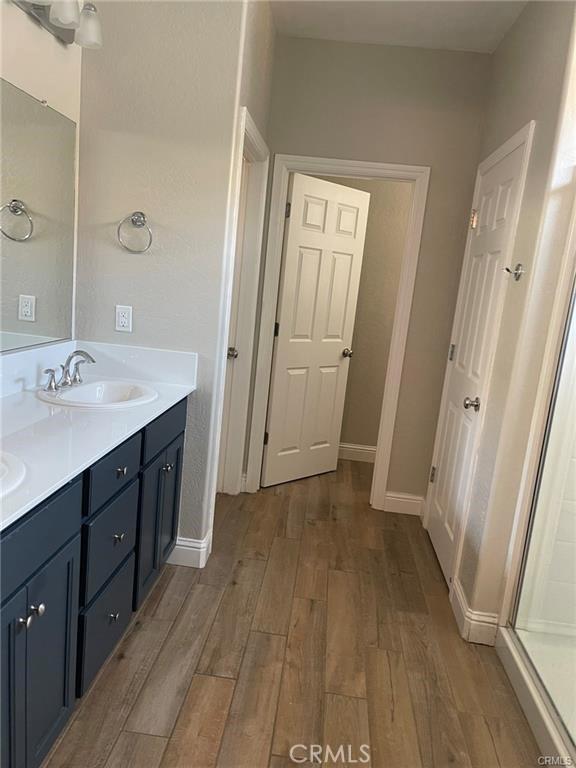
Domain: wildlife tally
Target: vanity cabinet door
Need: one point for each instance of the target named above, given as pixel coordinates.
(13, 681)
(148, 563)
(171, 498)
(51, 650)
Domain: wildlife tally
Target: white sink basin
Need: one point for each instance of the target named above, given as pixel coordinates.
(101, 395)
(12, 472)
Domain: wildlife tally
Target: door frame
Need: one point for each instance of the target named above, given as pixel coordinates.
(256, 153)
(524, 137)
(284, 165)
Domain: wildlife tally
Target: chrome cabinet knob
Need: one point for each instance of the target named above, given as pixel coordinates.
(25, 623)
(168, 467)
(121, 471)
(468, 403)
(347, 352)
(114, 617)
(119, 538)
(232, 353)
(38, 610)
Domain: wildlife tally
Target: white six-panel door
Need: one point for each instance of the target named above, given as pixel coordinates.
(497, 198)
(322, 260)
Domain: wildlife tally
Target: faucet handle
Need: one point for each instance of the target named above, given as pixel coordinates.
(76, 377)
(51, 385)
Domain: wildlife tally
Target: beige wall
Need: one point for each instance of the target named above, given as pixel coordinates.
(390, 203)
(157, 136)
(526, 84)
(32, 59)
(402, 105)
(256, 84)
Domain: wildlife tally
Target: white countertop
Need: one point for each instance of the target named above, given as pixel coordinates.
(57, 443)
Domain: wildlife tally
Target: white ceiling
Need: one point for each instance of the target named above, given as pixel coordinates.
(457, 25)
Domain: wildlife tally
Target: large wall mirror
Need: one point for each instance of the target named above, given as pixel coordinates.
(36, 221)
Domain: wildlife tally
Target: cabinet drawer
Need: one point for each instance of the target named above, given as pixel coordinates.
(32, 542)
(113, 472)
(163, 430)
(108, 539)
(103, 623)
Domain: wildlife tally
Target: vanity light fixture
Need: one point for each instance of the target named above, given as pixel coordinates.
(64, 20)
(65, 13)
(89, 33)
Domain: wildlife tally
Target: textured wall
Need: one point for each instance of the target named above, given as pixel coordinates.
(37, 160)
(256, 84)
(400, 105)
(526, 85)
(157, 120)
(390, 203)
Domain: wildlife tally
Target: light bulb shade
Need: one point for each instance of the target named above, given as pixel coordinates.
(65, 13)
(89, 33)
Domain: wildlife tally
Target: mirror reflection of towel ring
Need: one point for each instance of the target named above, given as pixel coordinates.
(18, 208)
(138, 220)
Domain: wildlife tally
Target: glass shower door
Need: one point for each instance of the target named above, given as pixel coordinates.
(545, 612)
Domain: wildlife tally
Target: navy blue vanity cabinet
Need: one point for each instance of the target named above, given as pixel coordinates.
(13, 681)
(161, 479)
(39, 621)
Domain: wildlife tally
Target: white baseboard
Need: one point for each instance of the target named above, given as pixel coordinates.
(474, 626)
(544, 722)
(353, 452)
(193, 553)
(404, 503)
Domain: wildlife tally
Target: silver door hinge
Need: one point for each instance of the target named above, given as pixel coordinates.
(433, 474)
(288, 210)
(452, 351)
(474, 219)
(265, 438)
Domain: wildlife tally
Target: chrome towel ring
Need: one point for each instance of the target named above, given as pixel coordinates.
(18, 208)
(138, 220)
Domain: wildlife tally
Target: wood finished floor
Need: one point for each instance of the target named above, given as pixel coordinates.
(316, 621)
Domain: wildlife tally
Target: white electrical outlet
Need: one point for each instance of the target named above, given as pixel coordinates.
(123, 318)
(27, 308)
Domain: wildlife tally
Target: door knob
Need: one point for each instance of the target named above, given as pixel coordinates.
(232, 353)
(168, 467)
(347, 352)
(38, 610)
(119, 538)
(468, 403)
(25, 623)
(121, 471)
(113, 617)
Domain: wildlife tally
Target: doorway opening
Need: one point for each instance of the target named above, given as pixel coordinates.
(346, 175)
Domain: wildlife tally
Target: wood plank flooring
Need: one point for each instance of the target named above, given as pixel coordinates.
(317, 620)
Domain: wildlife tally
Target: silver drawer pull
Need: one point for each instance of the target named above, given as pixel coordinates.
(25, 623)
(119, 538)
(38, 610)
(168, 467)
(121, 471)
(114, 617)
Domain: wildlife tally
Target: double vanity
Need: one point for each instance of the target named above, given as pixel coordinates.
(91, 475)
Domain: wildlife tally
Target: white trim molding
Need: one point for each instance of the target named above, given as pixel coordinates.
(284, 165)
(192, 553)
(474, 626)
(354, 452)
(543, 720)
(403, 503)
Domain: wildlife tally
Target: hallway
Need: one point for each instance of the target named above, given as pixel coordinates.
(317, 620)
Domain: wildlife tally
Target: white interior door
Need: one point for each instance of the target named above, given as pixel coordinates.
(497, 198)
(238, 361)
(322, 259)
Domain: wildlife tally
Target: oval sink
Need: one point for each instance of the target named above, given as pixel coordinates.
(12, 472)
(101, 394)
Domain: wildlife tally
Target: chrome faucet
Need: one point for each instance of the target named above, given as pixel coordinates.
(69, 379)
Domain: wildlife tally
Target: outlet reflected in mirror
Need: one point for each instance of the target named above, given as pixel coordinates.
(36, 221)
